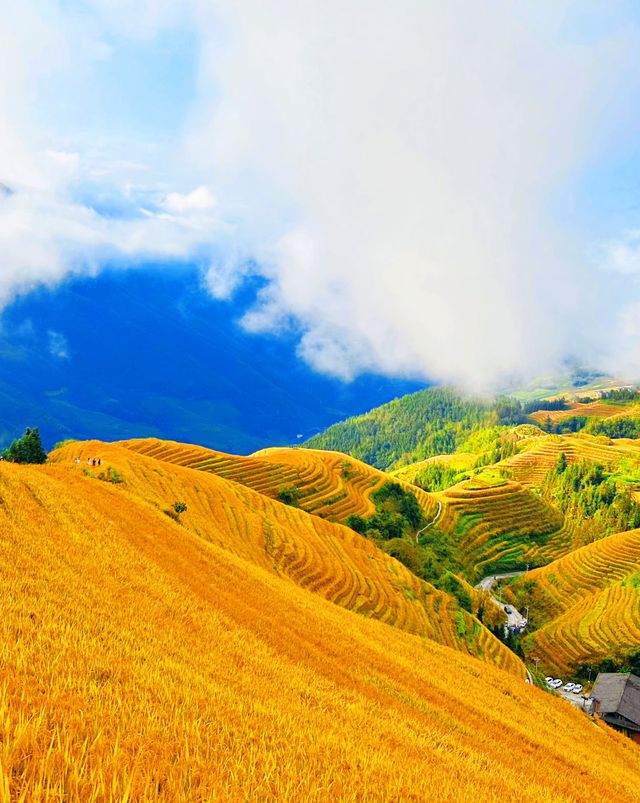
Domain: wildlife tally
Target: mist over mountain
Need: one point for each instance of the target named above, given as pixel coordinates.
(437, 190)
(148, 353)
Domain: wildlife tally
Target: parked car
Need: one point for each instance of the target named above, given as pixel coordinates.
(569, 686)
(556, 683)
(577, 688)
(549, 679)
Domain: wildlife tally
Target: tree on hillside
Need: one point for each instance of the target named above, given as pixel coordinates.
(27, 449)
(561, 465)
(509, 411)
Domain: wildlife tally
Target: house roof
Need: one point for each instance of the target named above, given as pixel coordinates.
(618, 694)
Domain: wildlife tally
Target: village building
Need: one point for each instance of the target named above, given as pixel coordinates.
(617, 701)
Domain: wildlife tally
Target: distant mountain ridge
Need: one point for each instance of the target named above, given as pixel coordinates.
(416, 426)
(150, 353)
(440, 420)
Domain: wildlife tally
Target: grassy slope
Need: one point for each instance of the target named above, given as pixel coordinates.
(596, 409)
(458, 461)
(492, 532)
(588, 603)
(324, 557)
(540, 454)
(140, 661)
(330, 484)
(498, 525)
(570, 386)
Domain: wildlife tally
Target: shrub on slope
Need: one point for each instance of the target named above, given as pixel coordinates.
(27, 449)
(141, 662)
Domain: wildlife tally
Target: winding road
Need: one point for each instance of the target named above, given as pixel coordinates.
(487, 583)
(514, 618)
(431, 523)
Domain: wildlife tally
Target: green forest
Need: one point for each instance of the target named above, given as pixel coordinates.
(590, 497)
(440, 421)
(423, 424)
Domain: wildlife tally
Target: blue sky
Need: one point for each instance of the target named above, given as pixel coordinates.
(435, 190)
(141, 91)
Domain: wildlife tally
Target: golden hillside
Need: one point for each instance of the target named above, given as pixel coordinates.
(328, 484)
(143, 661)
(327, 558)
(595, 409)
(541, 454)
(588, 603)
(458, 461)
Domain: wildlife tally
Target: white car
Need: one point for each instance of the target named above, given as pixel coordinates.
(549, 679)
(569, 686)
(577, 688)
(557, 683)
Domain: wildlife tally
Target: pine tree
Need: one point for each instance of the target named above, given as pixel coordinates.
(27, 449)
(562, 463)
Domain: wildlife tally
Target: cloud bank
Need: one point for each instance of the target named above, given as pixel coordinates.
(422, 148)
(73, 211)
(408, 178)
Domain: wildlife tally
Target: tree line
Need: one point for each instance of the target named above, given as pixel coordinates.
(415, 427)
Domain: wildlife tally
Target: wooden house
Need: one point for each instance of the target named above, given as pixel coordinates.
(617, 701)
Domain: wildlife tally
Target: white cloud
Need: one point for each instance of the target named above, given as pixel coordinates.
(623, 256)
(197, 200)
(58, 345)
(398, 166)
(52, 221)
(392, 170)
(64, 158)
(47, 236)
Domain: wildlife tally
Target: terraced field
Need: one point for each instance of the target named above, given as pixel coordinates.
(459, 461)
(598, 409)
(532, 464)
(328, 484)
(577, 575)
(140, 661)
(606, 625)
(335, 485)
(326, 558)
(588, 602)
(501, 528)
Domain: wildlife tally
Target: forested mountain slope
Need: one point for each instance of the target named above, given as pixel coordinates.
(432, 421)
(440, 421)
(147, 353)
